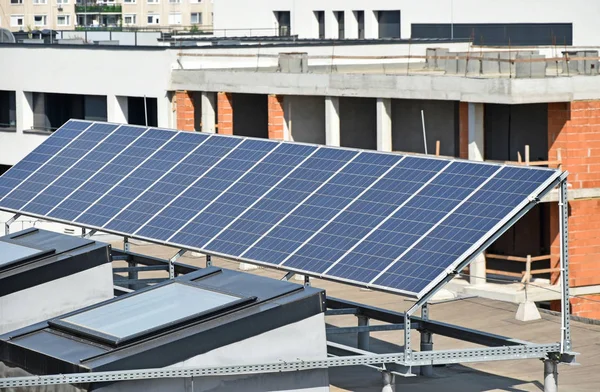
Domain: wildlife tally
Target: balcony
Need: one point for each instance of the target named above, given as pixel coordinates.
(98, 9)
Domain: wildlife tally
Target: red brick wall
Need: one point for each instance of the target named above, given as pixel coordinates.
(225, 113)
(276, 118)
(574, 130)
(574, 135)
(463, 119)
(184, 110)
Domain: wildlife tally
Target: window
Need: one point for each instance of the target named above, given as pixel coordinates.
(283, 22)
(63, 20)
(16, 1)
(195, 1)
(39, 20)
(389, 24)
(129, 1)
(62, 1)
(130, 19)
(153, 1)
(153, 19)
(141, 314)
(196, 18)
(175, 18)
(40, 1)
(360, 21)
(341, 21)
(16, 20)
(174, 1)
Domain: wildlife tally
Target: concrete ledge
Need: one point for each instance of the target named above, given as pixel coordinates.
(573, 194)
(440, 87)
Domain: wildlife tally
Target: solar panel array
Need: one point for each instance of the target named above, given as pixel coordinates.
(375, 219)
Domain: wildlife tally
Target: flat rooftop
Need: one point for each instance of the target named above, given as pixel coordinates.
(477, 313)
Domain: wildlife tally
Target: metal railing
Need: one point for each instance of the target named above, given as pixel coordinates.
(527, 273)
(98, 8)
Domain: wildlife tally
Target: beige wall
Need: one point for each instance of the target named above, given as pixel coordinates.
(29, 10)
(141, 8)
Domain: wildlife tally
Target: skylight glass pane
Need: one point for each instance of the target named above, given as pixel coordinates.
(149, 310)
(11, 252)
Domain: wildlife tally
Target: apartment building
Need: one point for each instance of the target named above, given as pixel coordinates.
(28, 15)
(510, 22)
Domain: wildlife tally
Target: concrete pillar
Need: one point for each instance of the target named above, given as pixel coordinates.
(332, 121)
(363, 337)
(287, 119)
(184, 110)
(276, 118)
(384, 124)
(371, 25)
(550, 376)
(163, 107)
(476, 134)
(24, 110)
(209, 108)
(225, 113)
(477, 270)
(117, 109)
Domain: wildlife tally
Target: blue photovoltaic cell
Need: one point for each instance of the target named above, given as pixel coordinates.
(245, 227)
(472, 220)
(122, 168)
(367, 212)
(44, 152)
(151, 200)
(384, 220)
(95, 186)
(52, 168)
(311, 213)
(411, 221)
(85, 169)
(238, 156)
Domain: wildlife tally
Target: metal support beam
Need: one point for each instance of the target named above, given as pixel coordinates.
(563, 214)
(306, 281)
(131, 275)
(288, 276)
(208, 261)
(365, 328)
(407, 328)
(363, 336)
(89, 234)
(172, 261)
(388, 382)
(550, 375)
(9, 222)
(426, 341)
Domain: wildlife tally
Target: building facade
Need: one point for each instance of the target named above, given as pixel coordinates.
(28, 15)
(510, 22)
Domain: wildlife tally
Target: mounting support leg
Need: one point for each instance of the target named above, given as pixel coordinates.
(131, 275)
(426, 341)
(9, 222)
(306, 281)
(172, 261)
(363, 337)
(550, 375)
(89, 234)
(388, 382)
(208, 261)
(563, 218)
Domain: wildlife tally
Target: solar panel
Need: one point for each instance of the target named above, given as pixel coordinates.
(389, 221)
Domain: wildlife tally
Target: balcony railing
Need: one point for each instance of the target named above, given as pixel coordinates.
(95, 8)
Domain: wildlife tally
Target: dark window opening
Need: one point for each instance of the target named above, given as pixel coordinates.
(320, 15)
(389, 24)
(51, 111)
(284, 23)
(136, 111)
(4, 169)
(360, 21)
(515, 34)
(339, 16)
(250, 115)
(8, 112)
